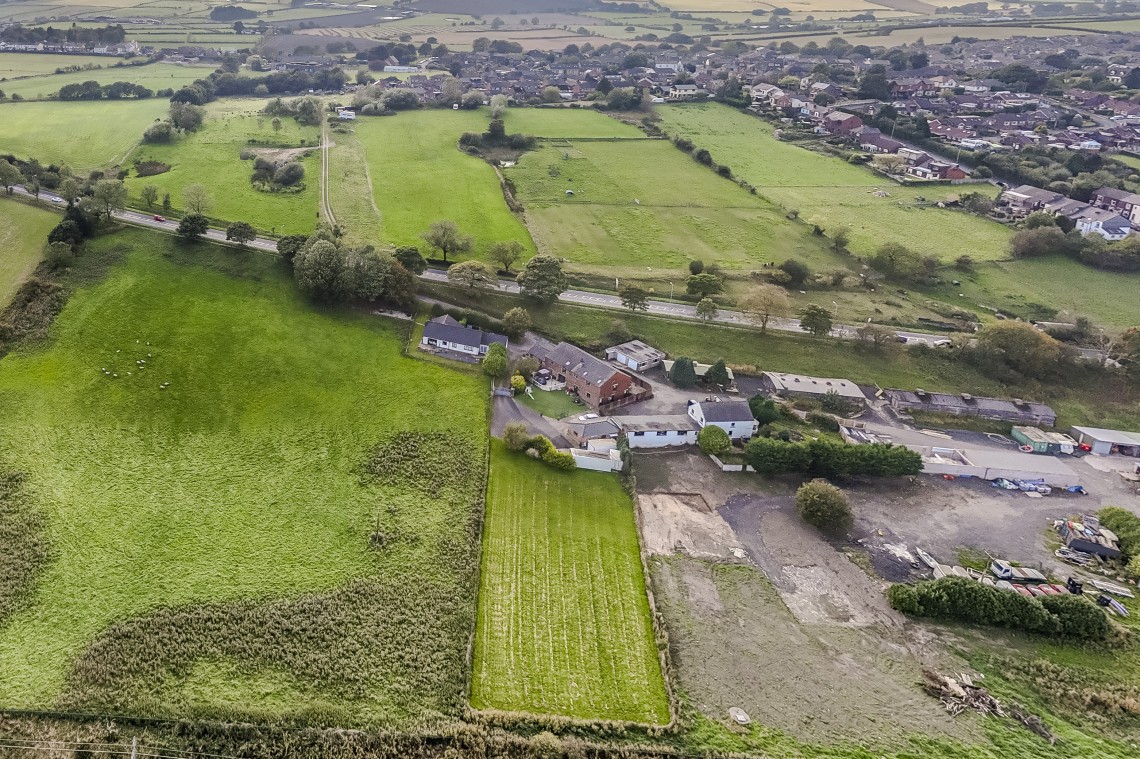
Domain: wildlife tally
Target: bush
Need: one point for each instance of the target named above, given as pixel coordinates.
(683, 374)
(823, 505)
(904, 598)
(825, 422)
(515, 436)
(714, 441)
(518, 383)
(559, 460)
(764, 410)
(834, 460)
(961, 599)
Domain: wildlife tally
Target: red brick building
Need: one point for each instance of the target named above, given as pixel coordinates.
(588, 377)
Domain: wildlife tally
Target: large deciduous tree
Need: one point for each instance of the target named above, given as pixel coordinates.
(196, 199)
(444, 236)
(505, 254)
(634, 298)
(765, 301)
(473, 275)
(542, 279)
(241, 232)
(816, 320)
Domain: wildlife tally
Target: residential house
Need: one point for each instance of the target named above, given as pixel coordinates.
(1125, 203)
(636, 355)
(1025, 199)
(594, 381)
(874, 141)
(445, 333)
(658, 431)
(766, 94)
(1108, 224)
(734, 417)
(839, 123)
(1117, 72)
(799, 385)
(936, 170)
(586, 428)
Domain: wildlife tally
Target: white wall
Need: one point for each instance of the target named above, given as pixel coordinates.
(652, 440)
(596, 462)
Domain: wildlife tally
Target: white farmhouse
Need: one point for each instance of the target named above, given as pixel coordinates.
(734, 417)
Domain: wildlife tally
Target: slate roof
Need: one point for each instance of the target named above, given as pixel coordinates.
(575, 361)
(448, 329)
(727, 411)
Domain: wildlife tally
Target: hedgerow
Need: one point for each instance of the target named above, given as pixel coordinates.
(826, 458)
(964, 600)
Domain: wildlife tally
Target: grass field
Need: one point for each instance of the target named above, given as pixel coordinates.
(155, 76)
(350, 190)
(832, 193)
(282, 533)
(566, 122)
(419, 176)
(23, 235)
(646, 205)
(33, 64)
(211, 157)
(1128, 160)
(47, 130)
(564, 624)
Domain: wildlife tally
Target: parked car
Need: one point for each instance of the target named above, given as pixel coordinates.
(159, 218)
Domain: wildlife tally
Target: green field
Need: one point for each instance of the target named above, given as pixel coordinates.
(829, 192)
(282, 533)
(350, 189)
(156, 76)
(47, 130)
(419, 176)
(211, 157)
(644, 205)
(564, 623)
(566, 122)
(1128, 160)
(23, 235)
(33, 64)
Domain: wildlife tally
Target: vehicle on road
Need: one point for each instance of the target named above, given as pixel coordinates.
(159, 218)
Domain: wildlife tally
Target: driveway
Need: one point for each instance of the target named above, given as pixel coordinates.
(505, 410)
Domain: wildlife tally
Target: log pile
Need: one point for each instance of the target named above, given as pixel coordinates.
(961, 694)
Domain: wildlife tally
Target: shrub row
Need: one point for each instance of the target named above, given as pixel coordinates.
(963, 600)
(471, 318)
(826, 458)
(539, 447)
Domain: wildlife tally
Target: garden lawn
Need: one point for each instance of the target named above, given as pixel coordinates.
(211, 157)
(23, 236)
(210, 542)
(564, 623)
(640, 205)
(832, 193)
(82, 135)
(419, 176)
(553, 403)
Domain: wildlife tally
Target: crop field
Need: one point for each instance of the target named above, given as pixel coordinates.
(832, 193)
(156, 76)
(644, 203)
(564, 623)
(281, 533)
(23, 235)
(211, 157)
(419, 176)
(46, 130)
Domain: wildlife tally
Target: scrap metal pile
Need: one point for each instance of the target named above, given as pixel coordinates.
(959, 694)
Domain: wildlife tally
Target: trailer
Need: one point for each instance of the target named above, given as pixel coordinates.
(1003, 570)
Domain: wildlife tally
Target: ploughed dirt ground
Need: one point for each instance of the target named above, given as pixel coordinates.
(765, 614)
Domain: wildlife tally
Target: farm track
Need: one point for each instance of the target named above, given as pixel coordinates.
(326, 207)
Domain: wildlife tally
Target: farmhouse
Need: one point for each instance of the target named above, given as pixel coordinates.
(1015, 410)
(734, 417)
(445, 333)
(658, 431)
(598, 384)
(791, 385)
(637, 355)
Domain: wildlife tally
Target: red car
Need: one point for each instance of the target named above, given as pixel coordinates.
(159, 218)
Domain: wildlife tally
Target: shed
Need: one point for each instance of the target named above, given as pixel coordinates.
(636, 355)
(1104, 442)
(1040, 441)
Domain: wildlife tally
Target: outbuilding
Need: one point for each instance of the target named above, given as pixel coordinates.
(1037, 440)
(1104, 442)
(658, 431)
(636, 355)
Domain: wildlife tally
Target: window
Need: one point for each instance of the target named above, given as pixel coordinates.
(639, 434)
(662, 433)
